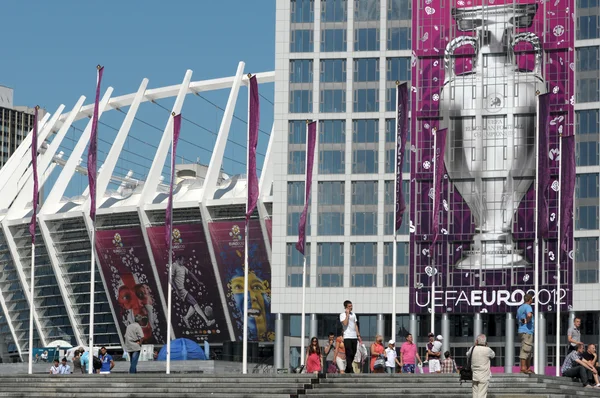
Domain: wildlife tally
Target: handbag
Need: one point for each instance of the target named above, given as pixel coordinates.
(466, 373)
(332, 368)
(379, 363)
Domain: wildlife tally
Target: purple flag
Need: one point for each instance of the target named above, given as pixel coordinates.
(169, 212)
(93, 148)
(310, 157)
(543, 183)
(401, 135)
(440, 149)
(34, 140)
(253, 123)
(567, 189)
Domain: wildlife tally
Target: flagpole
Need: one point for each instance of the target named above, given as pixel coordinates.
(92, 292)
(433, 273)
(395, 243)
(536, 268)
(558, 256)
(246, 241)
(303, 317)
(169, 287)
(32, 229)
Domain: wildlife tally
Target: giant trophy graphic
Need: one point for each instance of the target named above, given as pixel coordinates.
(490, 114)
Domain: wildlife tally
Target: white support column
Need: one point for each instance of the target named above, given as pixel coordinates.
(9, 323)
(264, 184)
(20, 158)
(22, 277)
(53, 201)
(216, 160)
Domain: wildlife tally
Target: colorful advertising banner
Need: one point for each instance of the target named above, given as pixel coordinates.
(478, 67)
(228, 243)
(197, 312)
(131, 283)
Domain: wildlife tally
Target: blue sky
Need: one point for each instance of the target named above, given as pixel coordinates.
(51, 49)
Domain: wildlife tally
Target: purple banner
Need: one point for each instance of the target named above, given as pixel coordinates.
(401, 136)
(543, 165)
(567, 191)
(478, 67)
(131, 284)
(228, 243)
(440, 171)
(169, 211)
(253, 126)
(93, 148)
(311, 131)
(197, 312)
(34, 145)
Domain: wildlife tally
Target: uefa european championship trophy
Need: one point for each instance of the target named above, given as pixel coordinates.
(490, 113)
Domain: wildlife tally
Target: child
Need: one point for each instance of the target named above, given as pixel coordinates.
(391, 358)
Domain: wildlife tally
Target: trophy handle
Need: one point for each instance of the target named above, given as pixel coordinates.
(531, 38)
(456, 43)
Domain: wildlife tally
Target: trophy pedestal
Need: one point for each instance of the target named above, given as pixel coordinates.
(492, 251)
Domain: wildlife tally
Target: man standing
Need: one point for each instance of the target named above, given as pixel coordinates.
(434, 355)
(574, 335)
(408, 353)
(525, 330)
(481, 356)
(133, 343)
(329, 350)
(351, 333)
(107, 361)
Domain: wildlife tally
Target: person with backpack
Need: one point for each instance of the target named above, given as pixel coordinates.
(479, 357)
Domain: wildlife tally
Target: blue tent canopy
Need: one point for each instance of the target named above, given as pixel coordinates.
(182, 350)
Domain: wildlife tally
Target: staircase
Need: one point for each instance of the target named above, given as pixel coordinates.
(121, 385)
(445, 385)
(149, 385)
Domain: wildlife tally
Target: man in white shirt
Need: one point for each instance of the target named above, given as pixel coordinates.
(54, 368)
(350, 333)
(434, 355)
(481, 356)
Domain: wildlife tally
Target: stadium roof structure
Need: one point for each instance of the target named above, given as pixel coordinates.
(62, 255)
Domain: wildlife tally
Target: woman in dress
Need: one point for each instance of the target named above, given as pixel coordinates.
(339, 355)
(313, 357)
(377, 349)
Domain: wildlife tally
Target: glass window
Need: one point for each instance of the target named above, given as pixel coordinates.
(587, 59)
(330, 254)
(301, 71)
(330, 223)
(587, 122)
(587, 3)
(297, 132)
(293, 219)
(331, 162)
(333, 10)
(300, 101)
(302, 41)
(586, 260)
(366, 39)
(366, 10)
(333, 40)
(295, 193)
(588, 90)
(402, 257)
(333, 101)
(399, 10)
(296, 162)
(364, 254)
(302, 11)
(331, 193)
(364, 223)
(588, 27)
(587, 153)
(586, 186)
(586, 217)
(366, 70)
(332, 132)
(294, 262)
(398, 69)
(365, 130)
(366, 100)
(364, 192)
(364, 161)
(399, 38)
(333, 71)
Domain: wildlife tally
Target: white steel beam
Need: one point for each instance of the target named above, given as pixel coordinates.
(8, 171)
(216, 160)
(12, 246)
(165, 143)
(264, 186)
(52, 203)
(172, 91)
